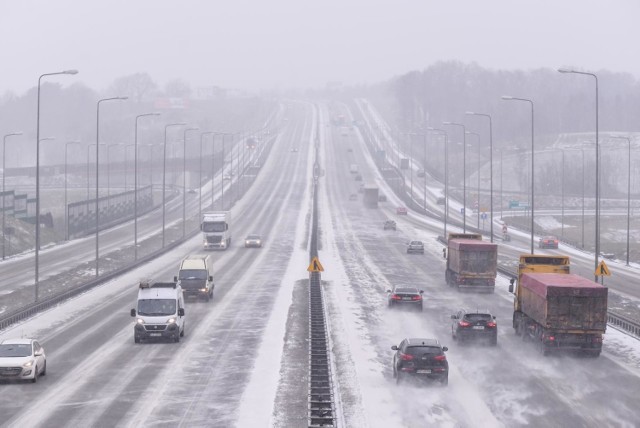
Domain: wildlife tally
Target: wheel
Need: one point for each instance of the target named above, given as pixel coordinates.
(35, 375)
(182, 332)
(398, 378)
(136, 339)
(44, 370)
(207, 297)
(176, 338)
(445, 380)
(494, 341)
(421, 308)
(395, 373)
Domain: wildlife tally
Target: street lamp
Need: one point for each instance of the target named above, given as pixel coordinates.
(628, 190)
(464, 174)
(424, 166)
(66, 206)
(471, 113)
(597, 253)
(510, 98)
(446, 176)
(184, 179)
(4, 196)
(164, 175)
(98, 176)
(37, 255)
(478, 200)
(202, 135)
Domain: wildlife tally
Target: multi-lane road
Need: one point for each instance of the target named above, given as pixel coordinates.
(242, 361)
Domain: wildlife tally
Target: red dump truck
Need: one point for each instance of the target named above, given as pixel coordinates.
(557, 310)
(471, 262)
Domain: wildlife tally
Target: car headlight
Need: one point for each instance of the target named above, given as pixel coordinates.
(171, 321)
(28, 364)
(246, 242)
(140, 321)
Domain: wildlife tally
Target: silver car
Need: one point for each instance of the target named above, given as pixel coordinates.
(415, 247)
(22, 359)
(253, 241)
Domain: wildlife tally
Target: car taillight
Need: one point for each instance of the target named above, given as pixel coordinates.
(491, 324)
(416, 297)
(395, 297)
(440, 357)
(406, 357)
(464, 323)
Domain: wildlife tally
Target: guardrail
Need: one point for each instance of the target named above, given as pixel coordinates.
(618, 321)
(321, 403)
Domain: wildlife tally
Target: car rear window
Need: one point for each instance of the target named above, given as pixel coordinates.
(420, 350)
(478, 317)
(407, 290)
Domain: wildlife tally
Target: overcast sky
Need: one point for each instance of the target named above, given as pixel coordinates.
(267, 44)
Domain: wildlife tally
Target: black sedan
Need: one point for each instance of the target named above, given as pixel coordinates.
(421, 358)
(409, 297)
(474, 325)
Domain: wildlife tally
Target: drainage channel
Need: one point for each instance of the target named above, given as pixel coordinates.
(321, 405)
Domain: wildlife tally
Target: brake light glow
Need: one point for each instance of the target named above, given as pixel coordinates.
(463, 323)
(418, 297)
(395, 297)
(491, 324)
(406, 357)
(440, 357)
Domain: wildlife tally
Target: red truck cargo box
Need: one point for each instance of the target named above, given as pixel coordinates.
(472, 245)
(557, 285)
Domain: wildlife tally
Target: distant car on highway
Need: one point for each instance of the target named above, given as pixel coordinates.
(192, 191)
(420, 173)
(422, 359)
(358, 177)
(402, 211)
(389, 225)
(405, 296)
(294, 150)
(548, 242)
(382, 198)
(474, 325)
(22, 359)
(441, 200)
(253, 240)
(415, 247)
(353, 197)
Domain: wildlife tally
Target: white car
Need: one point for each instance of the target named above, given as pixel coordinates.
(253, 241)
(22, 359)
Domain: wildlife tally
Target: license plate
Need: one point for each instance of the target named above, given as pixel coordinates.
(155, 334)
(406, 298)
(423, 371)
(478, 327)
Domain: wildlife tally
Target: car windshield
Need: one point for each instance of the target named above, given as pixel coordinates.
(253, 237)
(15, 350)
(478, 317)
(156, 307)
(192, 274)
(213, 226)
(416, 242)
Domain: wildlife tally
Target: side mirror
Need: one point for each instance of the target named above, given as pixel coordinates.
(445, 349)
(394, 347)
(421, 291)
(210, 278)
(38, 353)
(181, 312)
(133, 312)
(454, 317)
(444, 253)
(494, 317)
(175, 279)
(511, 281)
(388, 291)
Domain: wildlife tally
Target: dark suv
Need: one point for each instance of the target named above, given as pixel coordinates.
(421, 358)
(470, 325)
(389, 225)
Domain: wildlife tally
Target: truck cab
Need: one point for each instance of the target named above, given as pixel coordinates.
(195, 278)
(216, 230)
(159, 312)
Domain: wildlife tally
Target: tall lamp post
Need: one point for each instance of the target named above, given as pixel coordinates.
(464, 173)
(202, 135)
(628, 190)
(184, 179)
(4, 197)
(135, 181)
(446, 176)
(103, 100)
(37, 254)
(597, 232)
(66, 206)
(510, 98)
(471, 113)
(478, 191)
(164, 175)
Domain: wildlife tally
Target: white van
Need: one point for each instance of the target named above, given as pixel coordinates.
(194, 277)
(160, 312)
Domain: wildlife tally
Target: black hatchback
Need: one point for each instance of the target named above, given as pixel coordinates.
(422, 359)
(474, 325)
